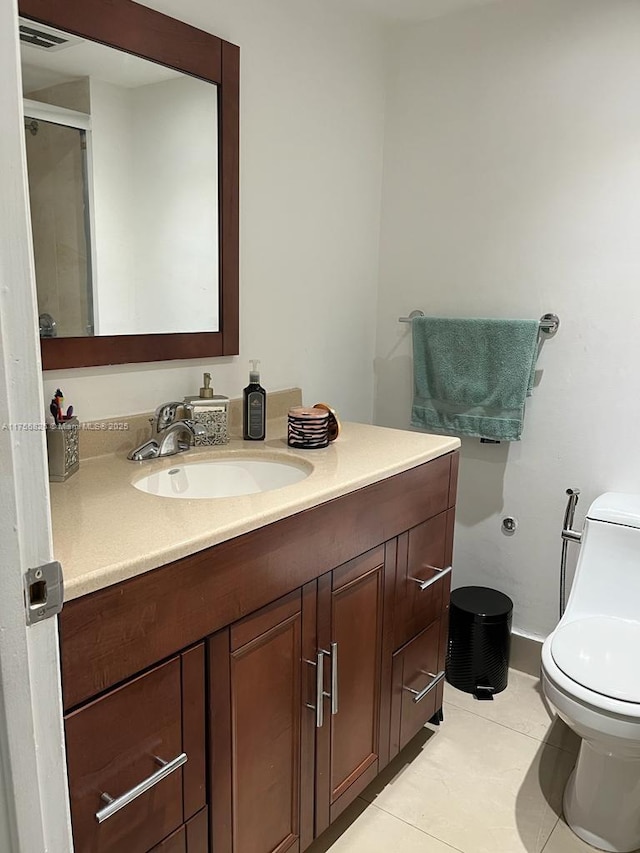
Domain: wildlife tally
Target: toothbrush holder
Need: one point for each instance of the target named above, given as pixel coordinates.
(63, 449)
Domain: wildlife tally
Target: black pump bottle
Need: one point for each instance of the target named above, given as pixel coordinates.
(254, 409)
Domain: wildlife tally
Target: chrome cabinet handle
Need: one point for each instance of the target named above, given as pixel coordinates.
(426, 584)
(418, 695)
(320, 691)
(334, 678)
(114, 805)
(320, 694)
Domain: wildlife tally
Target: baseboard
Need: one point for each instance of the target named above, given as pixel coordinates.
(525, 654)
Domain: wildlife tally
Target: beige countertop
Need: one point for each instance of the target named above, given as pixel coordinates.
(105, 530)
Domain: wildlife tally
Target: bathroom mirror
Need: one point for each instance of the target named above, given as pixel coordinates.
(131, 134)
(122, 165)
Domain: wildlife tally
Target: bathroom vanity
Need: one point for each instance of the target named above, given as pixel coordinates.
(289, 661)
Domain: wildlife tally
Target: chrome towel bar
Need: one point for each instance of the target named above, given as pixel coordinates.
(549, 323)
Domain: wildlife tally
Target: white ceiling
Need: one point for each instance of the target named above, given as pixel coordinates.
(413, 10)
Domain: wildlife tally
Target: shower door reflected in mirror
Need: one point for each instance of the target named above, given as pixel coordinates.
(122, 162)
(58, 194)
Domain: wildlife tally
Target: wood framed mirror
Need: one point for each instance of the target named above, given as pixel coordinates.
(138, 31)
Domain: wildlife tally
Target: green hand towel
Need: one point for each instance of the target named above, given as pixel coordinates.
(471, 377)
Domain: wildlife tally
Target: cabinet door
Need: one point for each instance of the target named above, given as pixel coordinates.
(261, 689)
(350, 621)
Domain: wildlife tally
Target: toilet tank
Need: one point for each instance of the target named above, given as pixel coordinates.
(607, 579)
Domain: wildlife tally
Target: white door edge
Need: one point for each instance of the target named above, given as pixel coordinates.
(34, 802)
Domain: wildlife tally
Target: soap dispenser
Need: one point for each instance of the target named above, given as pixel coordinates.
(210, 411)
(254, 409)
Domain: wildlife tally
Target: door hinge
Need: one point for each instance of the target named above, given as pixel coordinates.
(43, 592)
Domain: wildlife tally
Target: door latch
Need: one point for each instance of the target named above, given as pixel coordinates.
(43, 592)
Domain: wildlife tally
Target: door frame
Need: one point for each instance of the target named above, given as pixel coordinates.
(34, 800)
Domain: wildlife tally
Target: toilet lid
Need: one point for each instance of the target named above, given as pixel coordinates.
(601, 653)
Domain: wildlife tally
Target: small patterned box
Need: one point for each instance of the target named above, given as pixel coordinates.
(214, 421)
(63, 448)
(211, 411)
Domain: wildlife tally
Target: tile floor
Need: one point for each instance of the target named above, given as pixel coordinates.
(489, 780)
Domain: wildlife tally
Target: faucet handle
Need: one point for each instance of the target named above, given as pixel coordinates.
(165, 414)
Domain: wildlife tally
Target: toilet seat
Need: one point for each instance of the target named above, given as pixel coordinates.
(575, 692)
(599, 653)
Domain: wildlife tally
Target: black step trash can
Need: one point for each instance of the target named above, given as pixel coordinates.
(479, 640)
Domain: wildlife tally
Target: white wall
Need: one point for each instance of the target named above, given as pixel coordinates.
(312, 111)
(511, 188)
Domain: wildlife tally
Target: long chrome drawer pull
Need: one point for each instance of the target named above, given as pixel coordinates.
(114, 805)
(425, 584)
(334, 678)
(320, 692)
(418, 695)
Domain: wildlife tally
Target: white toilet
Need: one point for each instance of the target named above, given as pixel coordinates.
(591, 676)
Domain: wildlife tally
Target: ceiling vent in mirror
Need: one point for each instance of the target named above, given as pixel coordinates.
(45, 38)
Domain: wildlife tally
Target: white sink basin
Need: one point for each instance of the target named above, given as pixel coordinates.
(221, 478)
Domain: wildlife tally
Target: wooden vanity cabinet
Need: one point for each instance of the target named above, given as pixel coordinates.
(311, 648)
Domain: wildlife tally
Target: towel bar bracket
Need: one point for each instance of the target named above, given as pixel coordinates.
(549, 324)
(411, 316)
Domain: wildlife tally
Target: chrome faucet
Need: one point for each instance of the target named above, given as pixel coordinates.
(169, 435)
(164, 416)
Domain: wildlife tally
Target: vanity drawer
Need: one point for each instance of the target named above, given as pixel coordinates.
(422, 591)
(119, 741)
(417, 685)
(175, 843)
(192, 837)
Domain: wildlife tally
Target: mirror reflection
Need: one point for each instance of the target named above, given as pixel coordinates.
(123, 182)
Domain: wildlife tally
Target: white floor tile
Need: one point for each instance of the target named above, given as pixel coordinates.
(562, 840)
(477, 786)
(364, 828)
(520, 707)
